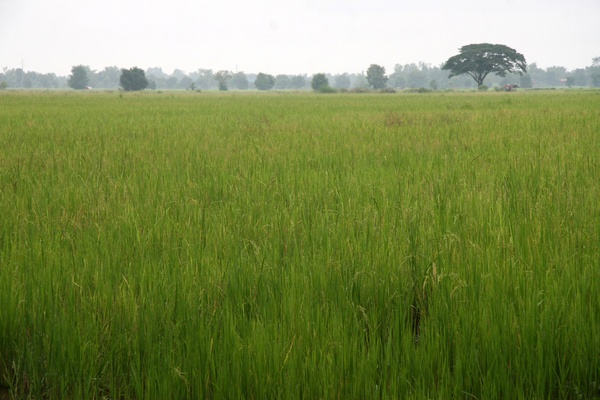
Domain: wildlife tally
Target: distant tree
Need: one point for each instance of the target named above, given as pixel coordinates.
(264, 81)
(319, 82)
(239, 81)
(3, 85)
(156, 72)
(360, 82)
(179, 74)
(205, 79)
(171, 82)
(282, 82)
(525, 81)
(595, 72)
(397, 78)
(580, 77)
(569, 81)
(108, 77)
(416, 75)
(555, 75)
(186, 83)
(78, 79)
(479, 60)
(222, 77)
(133, 79)
(433, 84)
(297, 82)
(376, 76)
(342, 81)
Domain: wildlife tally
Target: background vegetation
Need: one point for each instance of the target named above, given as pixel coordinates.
(155, 245)
(403, 76)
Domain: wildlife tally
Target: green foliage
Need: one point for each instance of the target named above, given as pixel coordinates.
(292, 246)
(376, 76)
(133, 79)
(483, 88)
(282, 82)
(297, 82)
(479, 60)
(327, 89)
(569, 81)
(3, 85)
(596, 79)
(239, 81)
(319, 82)
(264, 81)
(222, 77)
(78, 79)
(342, 81)
(525, 81)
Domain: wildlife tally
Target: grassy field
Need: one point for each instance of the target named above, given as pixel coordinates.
(284, 245)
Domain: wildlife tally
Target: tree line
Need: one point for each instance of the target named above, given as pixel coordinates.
(404, 76)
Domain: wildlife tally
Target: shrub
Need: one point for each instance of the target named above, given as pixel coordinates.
(327, 89)
(482, 88)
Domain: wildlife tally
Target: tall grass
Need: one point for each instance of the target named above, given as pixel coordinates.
(164, 245)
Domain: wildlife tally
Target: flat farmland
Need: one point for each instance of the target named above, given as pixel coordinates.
(192, 245)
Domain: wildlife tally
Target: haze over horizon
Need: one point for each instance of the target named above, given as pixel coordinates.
(292, 37)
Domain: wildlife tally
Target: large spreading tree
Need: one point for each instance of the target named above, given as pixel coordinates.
(133, 79)
(480, 60)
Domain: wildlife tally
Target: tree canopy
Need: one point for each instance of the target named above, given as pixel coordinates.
(376, 76)
(222, 77)
(239, 80)
(133, 79)
(78, 79)
(320, 82)
(479, 60)
(264, 81)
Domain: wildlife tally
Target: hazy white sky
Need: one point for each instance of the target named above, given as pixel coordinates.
(288, 36)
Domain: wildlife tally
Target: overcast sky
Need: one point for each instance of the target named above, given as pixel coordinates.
(288, 36)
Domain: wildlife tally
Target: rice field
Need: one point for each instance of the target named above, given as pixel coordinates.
(286, 245)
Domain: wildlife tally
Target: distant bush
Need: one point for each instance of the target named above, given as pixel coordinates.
(3, 85)
(482, 88)
(387, 90)
(326, 89)
(359, 90)
(415, 90)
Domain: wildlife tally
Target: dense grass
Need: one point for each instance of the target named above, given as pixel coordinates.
(162, 246)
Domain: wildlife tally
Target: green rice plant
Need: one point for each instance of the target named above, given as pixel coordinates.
(161, 245)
